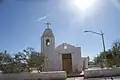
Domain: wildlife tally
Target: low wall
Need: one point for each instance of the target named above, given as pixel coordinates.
(54, 75)
(102, 73)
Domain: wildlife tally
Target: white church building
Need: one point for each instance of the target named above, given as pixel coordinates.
(65, 57)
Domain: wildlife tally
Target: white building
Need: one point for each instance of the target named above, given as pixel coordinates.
(63, 57)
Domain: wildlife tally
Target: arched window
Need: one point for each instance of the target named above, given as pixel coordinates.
(47, 42)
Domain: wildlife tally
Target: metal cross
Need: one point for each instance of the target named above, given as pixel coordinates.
(48, 24)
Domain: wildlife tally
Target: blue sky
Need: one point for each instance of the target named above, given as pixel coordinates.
(22, 23)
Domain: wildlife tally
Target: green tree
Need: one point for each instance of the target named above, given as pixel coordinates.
(7, 64)
(22, 61)
(98, 60)
(110, 58)
(35, 59)
(116, 53)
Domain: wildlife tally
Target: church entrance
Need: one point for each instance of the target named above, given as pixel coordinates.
(67, 62)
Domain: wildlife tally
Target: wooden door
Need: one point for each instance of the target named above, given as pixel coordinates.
(67, 62)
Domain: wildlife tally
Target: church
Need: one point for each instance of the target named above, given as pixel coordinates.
(64, 57)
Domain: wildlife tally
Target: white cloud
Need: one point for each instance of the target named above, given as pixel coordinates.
(42, 18)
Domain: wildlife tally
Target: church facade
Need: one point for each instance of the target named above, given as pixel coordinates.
(65, 57)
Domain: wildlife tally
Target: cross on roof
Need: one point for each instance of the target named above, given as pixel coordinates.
(48, 24)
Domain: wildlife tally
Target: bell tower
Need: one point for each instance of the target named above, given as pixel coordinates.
(48, 47)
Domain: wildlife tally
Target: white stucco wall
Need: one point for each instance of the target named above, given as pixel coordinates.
(78, 60)
(85, 62)
(101, 72)
(76, 55)
(54, 75)
(54, 56)
(50, 52)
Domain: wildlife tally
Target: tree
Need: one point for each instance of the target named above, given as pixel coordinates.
(7, 64)
(111, 57)
(116, 53)
(98, 60)
(35, 59)
(22, 61)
